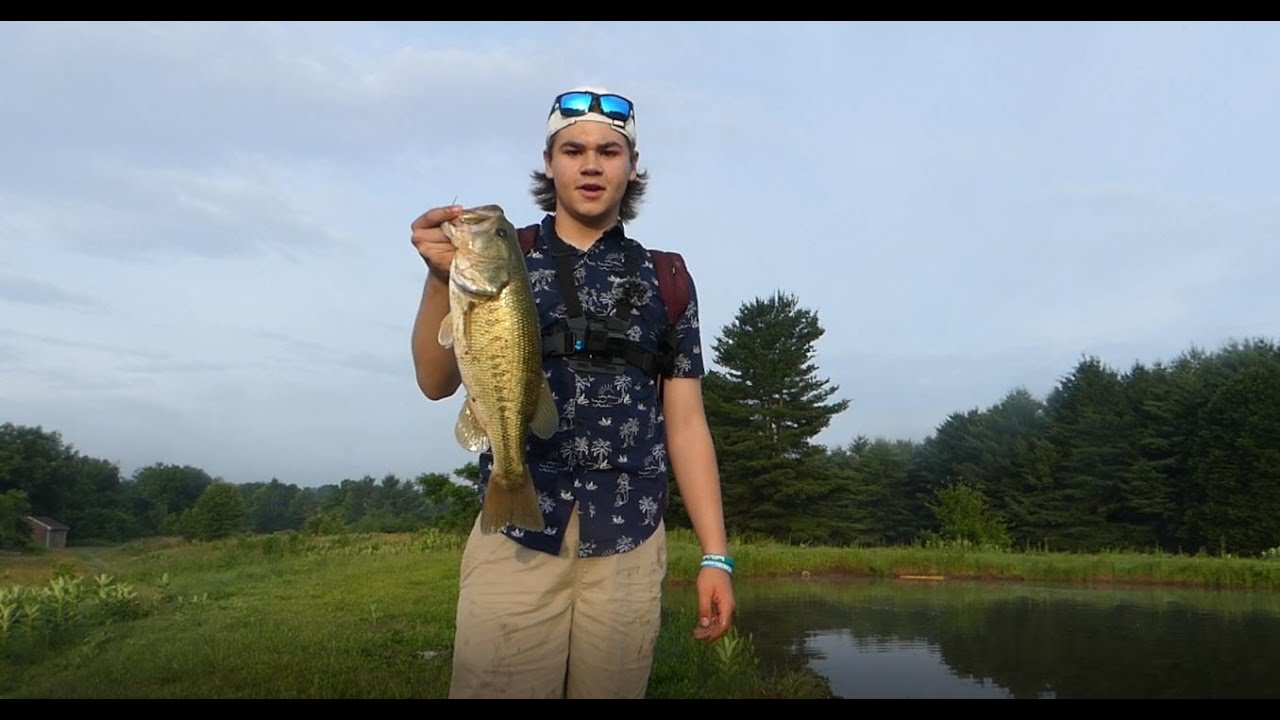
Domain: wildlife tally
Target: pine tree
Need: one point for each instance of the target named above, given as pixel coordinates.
(1090, 430)
(1237, 462)
(764, 410)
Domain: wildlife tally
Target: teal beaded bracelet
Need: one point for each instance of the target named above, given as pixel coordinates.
(722, 562)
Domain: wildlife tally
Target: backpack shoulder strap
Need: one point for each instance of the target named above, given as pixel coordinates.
(673, 282)
(526, 235)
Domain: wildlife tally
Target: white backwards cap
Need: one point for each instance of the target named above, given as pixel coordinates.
(603, 101)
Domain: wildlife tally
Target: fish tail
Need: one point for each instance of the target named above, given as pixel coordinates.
(508, 503)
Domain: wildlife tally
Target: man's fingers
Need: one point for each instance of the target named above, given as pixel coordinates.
(433, 217)
(713, 633)
(704, 607)
(706, 623)
(711, 624)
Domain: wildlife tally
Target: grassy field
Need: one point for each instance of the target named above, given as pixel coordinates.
(361, 616)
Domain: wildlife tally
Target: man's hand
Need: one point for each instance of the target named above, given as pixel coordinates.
(715, 604)
(430, 240)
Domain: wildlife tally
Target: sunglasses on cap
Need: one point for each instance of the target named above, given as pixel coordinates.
(581, 102)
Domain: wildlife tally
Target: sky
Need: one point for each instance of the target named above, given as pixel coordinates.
(204, 227)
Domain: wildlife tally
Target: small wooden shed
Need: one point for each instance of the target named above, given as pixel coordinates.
(47, 532)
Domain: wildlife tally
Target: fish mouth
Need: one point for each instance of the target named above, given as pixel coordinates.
(480, 214)
(470, 222)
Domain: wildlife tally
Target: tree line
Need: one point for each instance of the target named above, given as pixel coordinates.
(1180, 456)
(41, 474)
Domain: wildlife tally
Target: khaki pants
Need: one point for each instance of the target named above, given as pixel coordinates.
(530, 625)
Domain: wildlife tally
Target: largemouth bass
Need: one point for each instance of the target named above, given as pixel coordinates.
(493, 329)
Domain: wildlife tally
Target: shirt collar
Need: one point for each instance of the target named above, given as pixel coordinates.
(615, 235)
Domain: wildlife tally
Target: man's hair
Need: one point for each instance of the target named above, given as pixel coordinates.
(544, 192)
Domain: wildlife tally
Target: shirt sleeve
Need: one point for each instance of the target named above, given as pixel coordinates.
(688, 362)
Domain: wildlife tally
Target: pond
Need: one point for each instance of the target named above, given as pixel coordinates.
(894, 638)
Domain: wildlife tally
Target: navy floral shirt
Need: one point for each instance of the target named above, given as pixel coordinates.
(609, 457)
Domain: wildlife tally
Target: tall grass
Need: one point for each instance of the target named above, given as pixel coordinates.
(271, 616)
(729, 668)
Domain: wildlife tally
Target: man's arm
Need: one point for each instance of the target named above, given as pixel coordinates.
(435, 367)
(693, 459)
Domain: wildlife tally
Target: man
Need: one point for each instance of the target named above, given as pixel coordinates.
(574, 610)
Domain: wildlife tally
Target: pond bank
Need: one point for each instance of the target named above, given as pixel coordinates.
(940, 564)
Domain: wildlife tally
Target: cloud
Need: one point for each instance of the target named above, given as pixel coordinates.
(192, 91)
(317, 354)
(109, 348)
(11, 356)
(22, 289)
(183, 367)
(164, 212)
(219, 140)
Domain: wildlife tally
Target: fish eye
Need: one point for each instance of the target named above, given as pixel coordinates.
(502, 233)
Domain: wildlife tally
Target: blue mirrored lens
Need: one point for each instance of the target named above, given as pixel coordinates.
(615, 107)
(575, 103)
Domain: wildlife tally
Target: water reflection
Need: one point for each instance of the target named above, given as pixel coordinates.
(913, 639)
(885, 669)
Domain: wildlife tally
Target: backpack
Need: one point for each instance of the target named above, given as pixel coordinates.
(673, 288)
(673, 276)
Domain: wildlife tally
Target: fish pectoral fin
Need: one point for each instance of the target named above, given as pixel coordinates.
(468, 430)
(546, 418)
(446, 331)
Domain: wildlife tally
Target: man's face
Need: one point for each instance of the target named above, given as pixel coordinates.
(591, 165)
